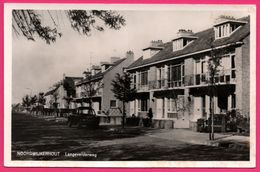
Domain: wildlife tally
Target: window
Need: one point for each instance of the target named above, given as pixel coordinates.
(171, 105)
(143, 76)
(133, 80)
(222, 31)
(225, 62)
(225, 30)
(198, 67)
(113, 104)
(180, 43)
(177, 44)
(160, 77)
(175, 75)
(143, 105)
(233, 101)
(233, 67)
(203, 67)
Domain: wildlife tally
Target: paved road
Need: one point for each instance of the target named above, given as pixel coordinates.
(34, 138)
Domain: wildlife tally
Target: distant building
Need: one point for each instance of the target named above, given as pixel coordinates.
(61, 94)
(171, 78)
(96, 87)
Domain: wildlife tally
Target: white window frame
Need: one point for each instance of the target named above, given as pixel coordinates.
(113, 107)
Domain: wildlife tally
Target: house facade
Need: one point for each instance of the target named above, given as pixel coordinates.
(61, 94)
(173, 78)
(96, 87)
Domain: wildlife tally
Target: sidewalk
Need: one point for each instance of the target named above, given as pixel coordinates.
(61, 120)
(191, 137)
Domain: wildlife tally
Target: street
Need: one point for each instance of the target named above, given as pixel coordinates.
(33, 134)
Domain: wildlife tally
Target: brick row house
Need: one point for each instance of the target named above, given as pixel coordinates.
(96, 85)
(171, 78)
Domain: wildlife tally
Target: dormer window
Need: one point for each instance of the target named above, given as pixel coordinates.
(225, 26)
(184, 38)
(152, 49)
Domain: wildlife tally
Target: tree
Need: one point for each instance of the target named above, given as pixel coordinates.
(70, 89)
(26, 101)
(121, 87)
(214, 69)
(29, 24)
(33, 100)
(55, 96)
(41, 99)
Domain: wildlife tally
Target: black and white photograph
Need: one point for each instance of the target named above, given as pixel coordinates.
(130, 85)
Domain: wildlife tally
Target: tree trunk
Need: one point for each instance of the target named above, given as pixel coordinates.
(90, 104)
(211, 130)
(123, 116)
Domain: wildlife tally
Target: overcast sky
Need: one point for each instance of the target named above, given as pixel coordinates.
(37, 66)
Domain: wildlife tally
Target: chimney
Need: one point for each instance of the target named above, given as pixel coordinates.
(114, 59)
(157, 43)
(64, 75)
(183, 33)
(130, 54)
(223, 18)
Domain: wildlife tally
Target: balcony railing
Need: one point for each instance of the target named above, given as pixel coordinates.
(165, 83)
(223, 76)
(140, 87)
(158, 84)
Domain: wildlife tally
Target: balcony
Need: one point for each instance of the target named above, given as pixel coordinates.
(142, 88)
(223, 77)
(158, 84)
(164, 84)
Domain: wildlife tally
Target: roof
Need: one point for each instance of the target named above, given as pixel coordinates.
(186, 36)
(230, 21)
(154, 48)
(203, 42)
(100, 75)
(50, 92)
(68, 80)
(73, 78)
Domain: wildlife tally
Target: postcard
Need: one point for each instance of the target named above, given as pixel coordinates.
(120, 85)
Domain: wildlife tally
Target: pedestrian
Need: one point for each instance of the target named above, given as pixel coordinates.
(150, 113)
(150, 116)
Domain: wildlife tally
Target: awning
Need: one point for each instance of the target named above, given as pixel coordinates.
(219, 89)
(142, 95)
(86, 100)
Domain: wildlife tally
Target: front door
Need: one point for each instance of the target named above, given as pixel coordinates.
(197, 110)
(223, 103)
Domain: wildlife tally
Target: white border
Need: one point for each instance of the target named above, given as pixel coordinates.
(8, 85)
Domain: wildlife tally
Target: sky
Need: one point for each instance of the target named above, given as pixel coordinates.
(36, 66)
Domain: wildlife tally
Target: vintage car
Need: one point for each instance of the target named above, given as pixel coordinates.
(84, 117)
